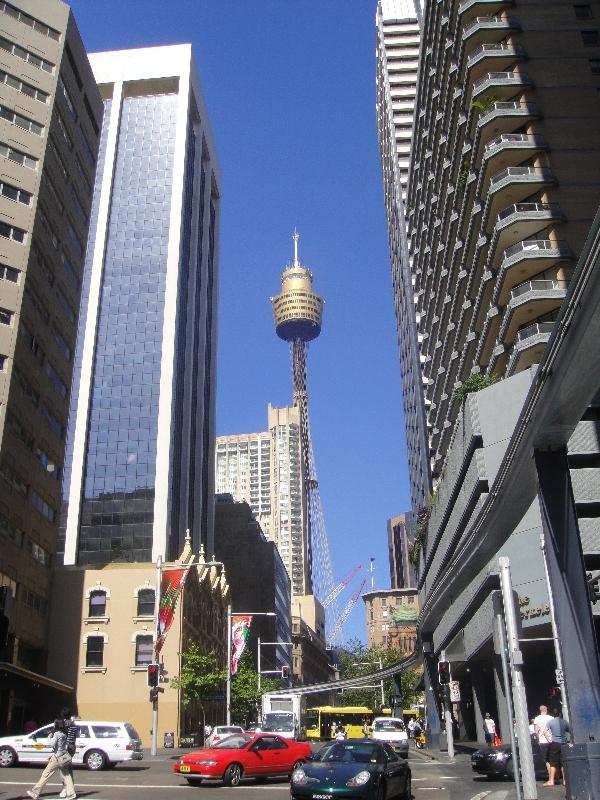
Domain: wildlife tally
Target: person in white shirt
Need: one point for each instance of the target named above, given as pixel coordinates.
(539, 725)
(489, 729)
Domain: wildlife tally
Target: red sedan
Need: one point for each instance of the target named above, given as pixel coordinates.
(257, 755)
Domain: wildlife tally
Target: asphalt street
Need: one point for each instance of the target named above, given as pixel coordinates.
(153, 779)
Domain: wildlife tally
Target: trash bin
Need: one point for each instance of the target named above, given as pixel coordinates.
(169, 740)
(582, 770)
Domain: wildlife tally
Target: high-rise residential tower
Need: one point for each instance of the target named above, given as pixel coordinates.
(141, 429)
(400, 542)
(265, 470)
(398, 37)
(50, 118)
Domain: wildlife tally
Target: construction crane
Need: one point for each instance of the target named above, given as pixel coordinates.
(341, 586)
(334, 633)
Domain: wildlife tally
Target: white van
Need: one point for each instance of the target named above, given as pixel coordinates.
(393, 731)
(99, 745)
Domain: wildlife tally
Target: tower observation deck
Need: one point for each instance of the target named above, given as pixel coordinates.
(297, 313)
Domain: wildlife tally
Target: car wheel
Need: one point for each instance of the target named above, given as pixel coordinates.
(95, 760)
(298, 764)
(232, 775)
(8, 757)
(407, 789)
(194, 781)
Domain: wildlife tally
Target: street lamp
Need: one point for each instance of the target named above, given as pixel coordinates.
(229, 615)
(270, 671)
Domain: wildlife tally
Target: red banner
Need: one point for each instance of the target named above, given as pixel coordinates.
(171, 585)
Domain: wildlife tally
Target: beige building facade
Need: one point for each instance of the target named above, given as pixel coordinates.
(107, 641)
(391, 617)
(50, 118)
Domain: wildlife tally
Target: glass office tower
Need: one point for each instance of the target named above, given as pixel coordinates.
(141, 428)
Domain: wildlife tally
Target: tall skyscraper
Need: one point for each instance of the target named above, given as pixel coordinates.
(402, 570)
(50, 118)
(265, 470)
(141, 427)
(398, 37)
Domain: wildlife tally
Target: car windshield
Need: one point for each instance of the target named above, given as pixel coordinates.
(358, 752)
(388, 725)
(278, 722)
(235, 742)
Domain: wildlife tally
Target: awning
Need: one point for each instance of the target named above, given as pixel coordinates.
(34, 677)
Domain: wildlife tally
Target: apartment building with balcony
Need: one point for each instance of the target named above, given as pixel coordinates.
(50, 119)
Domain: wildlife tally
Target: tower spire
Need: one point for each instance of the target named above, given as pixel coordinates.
(296, 237)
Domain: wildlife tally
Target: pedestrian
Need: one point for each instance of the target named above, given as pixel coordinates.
(59, 760)
(558, 729)
(365, 727)
(72, 731)
(489, 729)
(411, 727)
(544, 739)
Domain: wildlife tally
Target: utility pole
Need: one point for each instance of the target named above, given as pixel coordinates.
(154, 743)
(518, 684)
(448, 714)
(228, 656)
(258, 664)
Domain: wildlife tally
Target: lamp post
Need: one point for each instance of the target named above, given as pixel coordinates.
(270, 671)
(230, 614)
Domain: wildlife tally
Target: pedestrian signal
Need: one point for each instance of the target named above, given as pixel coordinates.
(444, 676)
(285, 671)
(153, 675)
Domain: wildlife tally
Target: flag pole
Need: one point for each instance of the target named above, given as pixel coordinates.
(228, 694)
(154, 745)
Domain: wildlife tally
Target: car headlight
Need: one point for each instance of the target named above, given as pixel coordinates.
(206, 763)
(359, 779)
(300, 777)
(500, 756)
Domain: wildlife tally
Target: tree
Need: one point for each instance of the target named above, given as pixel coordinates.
(356, 659)
(245, 694)
(201, 676)
(474, 383)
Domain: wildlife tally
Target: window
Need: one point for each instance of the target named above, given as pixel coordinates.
(595, 66)
(18, 195)
(97, 606)
(145, 604)
(41, 505)
(67, 96)
(11, 232)
(411, 600)
(5, 316)
(384, 601)
(590, 38)
(55, 380)
(17, 156)
(30, 21)
(55, 425)
(20, 121)
(144, 650)
(583, 11)
(94, 651)
(26, 55)
(24, 88)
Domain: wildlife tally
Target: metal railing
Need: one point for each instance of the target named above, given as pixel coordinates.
(531, 245)
(510, 105)
(520, 172)
(541, 285)
(535, 329)
(513, 77)
(513, 49)
(515, 138)
(527, 208)
(500, 21)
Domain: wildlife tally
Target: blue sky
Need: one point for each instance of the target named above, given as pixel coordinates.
(290, 90)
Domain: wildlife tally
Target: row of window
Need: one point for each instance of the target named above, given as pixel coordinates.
(31, 22)
(14, 193)
(22, 87)
(20, 539)
(144, 650)
(20, 485)
(26, 55)
(53, 422)
(18, 156)
(47, 462)
(98, 601)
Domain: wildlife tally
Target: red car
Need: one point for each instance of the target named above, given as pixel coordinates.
(257, 755)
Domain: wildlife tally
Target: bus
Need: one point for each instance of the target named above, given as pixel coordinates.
(323, 722)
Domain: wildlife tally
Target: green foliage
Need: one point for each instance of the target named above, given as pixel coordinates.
(245, 695)
(463, 176)
(474, 383)
(201, 676)
(356, 659)
(422, 527)
(483, 104)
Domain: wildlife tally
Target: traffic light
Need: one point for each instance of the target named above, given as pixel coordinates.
(285, 671)
(444, 676)
(153, 675)
(555, 692)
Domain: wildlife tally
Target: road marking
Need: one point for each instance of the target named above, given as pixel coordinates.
(82, 786)
(481, 795)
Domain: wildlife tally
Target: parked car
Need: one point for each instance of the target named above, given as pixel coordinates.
(357, 768)
(258, 755)
(219, 732)
(99, 745)
(497, 762)
(393, 731)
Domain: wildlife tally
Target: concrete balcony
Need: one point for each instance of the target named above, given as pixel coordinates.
(483, 30)
(510, 150)
(523, 260)
(512, 185)
(527, 301)
(501, 118)
(472, 8)
(503, 85)
(529, 346)
(521, 221)
(493, 56)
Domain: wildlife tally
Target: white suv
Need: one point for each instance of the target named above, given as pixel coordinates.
(99, 745)
(393, 731)
(220, 732)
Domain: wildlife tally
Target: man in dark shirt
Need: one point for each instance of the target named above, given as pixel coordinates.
(71, 730)
(558, 728)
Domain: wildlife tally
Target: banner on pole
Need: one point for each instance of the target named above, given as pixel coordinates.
(171, 585)
(454, 692)
(240, 630)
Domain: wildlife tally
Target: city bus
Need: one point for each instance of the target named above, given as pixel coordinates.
(323, 722)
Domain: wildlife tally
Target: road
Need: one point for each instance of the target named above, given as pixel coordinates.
(153, 779)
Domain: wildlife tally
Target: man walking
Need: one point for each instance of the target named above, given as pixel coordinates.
(71, 731)
(558, 729)
(544, 737)
(489, 729)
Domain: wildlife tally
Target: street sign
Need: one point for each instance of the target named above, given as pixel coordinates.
(454, 692)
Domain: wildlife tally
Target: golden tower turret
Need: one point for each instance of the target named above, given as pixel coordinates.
(298, 309)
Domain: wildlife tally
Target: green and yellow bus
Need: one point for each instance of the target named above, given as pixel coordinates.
(324, 722)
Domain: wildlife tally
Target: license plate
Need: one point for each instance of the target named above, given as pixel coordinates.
(184, 769)
(322, 797)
